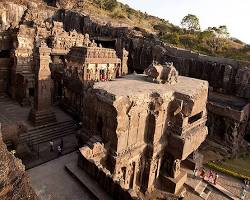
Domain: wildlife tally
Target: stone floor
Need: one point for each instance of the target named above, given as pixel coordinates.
(12, 112)
(51, 181)
(34, 158)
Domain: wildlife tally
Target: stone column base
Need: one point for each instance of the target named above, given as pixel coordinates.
(193, 163)
(39, 118)
(172, 185)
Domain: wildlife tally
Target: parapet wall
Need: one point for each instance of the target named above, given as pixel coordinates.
(224, 75)
(4, 74)
(105, 180)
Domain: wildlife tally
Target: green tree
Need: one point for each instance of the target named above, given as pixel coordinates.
(191, 23)
(223, 31)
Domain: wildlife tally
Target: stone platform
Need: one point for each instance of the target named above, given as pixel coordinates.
(87, 181)
(51, 181)
(12, 112)
(173, 185)
(39, 118)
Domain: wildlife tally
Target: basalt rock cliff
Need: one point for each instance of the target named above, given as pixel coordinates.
(14, 183)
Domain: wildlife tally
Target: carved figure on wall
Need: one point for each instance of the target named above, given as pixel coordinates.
(176, 168)
(86, 40)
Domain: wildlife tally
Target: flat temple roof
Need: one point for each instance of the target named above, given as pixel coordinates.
(137, 85)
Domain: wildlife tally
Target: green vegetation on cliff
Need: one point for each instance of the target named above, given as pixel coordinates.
(213, 41)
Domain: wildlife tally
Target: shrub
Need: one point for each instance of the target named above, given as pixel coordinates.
(118, 13)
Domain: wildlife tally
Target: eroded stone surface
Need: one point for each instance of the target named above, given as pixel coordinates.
(14, 183)
(138, 132)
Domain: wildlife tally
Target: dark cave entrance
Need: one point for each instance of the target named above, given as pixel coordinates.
(220, 128)
(106, 43)
(4, 53)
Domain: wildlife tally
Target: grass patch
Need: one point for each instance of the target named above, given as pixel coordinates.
(237, 167)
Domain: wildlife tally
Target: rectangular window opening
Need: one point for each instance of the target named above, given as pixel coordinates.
(195, 118)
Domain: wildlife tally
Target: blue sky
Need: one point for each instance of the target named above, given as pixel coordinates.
(235, 14)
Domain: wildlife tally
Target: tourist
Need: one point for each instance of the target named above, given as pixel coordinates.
(243, 193)
(59, 149)
(195, 172)
(51, 144)
(210, 176)
(216, 178)
(246, 183)
(203, 173)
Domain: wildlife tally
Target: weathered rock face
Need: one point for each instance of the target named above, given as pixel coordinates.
(225, 76)
(14, 184)
(139, 131)
(11, 14)
(162, 73)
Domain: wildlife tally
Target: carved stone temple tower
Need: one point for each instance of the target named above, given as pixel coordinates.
(42, 113)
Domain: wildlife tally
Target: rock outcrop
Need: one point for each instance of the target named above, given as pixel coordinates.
(14, 183)
(225, 76)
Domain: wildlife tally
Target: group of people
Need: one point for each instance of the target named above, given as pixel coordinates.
(59, 147)
(210, 176)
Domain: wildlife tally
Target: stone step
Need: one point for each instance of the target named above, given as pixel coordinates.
(52, 137)
(205, 195)
(200, 187)
(48, 132)
(48, 127)
(44, 120)
(52, 130)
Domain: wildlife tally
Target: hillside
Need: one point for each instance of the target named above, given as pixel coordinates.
(209, 42)
(205, 42)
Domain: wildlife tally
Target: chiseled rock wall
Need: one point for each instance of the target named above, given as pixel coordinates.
(14, 183)
(11, 14)
(224, 75)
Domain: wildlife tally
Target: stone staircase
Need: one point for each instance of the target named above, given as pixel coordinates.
(202, 190)
(47, 132)
(199, 186)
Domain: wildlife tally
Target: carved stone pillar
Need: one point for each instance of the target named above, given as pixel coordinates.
(42, 113)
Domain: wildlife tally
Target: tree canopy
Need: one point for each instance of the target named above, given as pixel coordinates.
(191, 23)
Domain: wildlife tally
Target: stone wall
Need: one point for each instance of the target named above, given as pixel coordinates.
(14, 183)
(224, 75)
(105, 180)
(4, 74)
